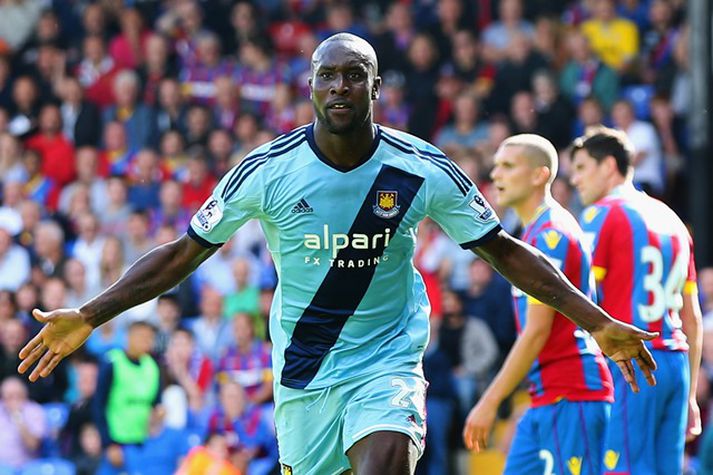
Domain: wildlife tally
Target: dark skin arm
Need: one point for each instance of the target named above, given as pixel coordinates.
(65, 330)
(529, 270)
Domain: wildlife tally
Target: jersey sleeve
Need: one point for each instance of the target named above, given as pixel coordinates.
(457, 205)
(600, 235)
(237, 198)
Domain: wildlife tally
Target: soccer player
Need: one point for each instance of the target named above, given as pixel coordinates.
(643, 262)
(571, 386)
(339, 201)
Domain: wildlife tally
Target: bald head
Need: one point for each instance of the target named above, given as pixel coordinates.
(357, 45)
(538, 150)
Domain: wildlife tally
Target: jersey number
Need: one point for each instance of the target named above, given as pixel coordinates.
(666, 295)
(549, 462)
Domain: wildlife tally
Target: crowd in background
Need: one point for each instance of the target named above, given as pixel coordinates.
(117, 118)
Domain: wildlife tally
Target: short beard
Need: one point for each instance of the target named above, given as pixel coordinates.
(339, 129)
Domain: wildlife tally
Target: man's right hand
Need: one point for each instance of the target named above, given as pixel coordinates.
(64, 331)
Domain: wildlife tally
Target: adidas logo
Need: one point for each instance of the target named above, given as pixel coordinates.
(302, 207)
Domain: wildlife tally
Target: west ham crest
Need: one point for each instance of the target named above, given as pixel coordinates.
(387, 204)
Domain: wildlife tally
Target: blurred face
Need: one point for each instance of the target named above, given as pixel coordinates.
(171, 194)
(140, 340)
(94, 49)
(54, 294)
(232, 397)
(220, 143)
(13, 336)
(156, 50)
(87, 379)
(181, 346)
(24, 92)
(422, 54)
(14, 394)
(399, 18)
(513, 176)
(125, 91)
(480, 273)
(622, 115)
(466, 110)
(590, 113)
(86, 162)
(451, 304)
(211, 303)
(243, 329)
(74, 273)
(589, 177)
(510, 10)
(169, 94)
(464, 47)
(343, 87)
(90, 440)
(168, 313)
(115, 136)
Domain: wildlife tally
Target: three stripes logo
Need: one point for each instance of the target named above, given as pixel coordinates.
(302, 207)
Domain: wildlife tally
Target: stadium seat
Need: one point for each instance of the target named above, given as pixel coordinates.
(53, 466)
(639, 96)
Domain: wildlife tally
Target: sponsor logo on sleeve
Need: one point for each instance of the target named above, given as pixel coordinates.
(208, 215)
(481, 208)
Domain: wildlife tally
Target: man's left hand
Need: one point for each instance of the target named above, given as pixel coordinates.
(623, 342)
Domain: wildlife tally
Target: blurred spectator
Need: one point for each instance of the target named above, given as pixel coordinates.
(87, 166)
(613, 38)
(137, 240)
(585, 76)
(451, 16)
(88, 249)
(249, 434)
(300, 66)
(198, 75)
(127, 48)
(705, 285)
(339, 17)
(589, 114)
(658, 42)
(158, 65)
(23, 424)
(113, 263)
(96, 71)
(182, 22)
(85, 371)
(421, 77)
(25, 106)
(115, 215)
(117, 155)
(210, 328)
(79, 290)
(88, 458)
(49, 256)
(247, 360)
(8, 307)
(554, 113)
(127, 390)
(500, 35)
(258, 76)
(173, 156)
(146, 176)
(168, 312)
(11, 168)
(394, 42)
(483, 300)
(81, 120)
(245, 22)
(56, 151)
(648, 160)
(391, 109)
(170, 210)
(468, 67)
(466, 131)
(220, 149)
(136, 117)
(227, 102)
(471, 350)
(515, 73)
(440, 403)
(245, 298)
(199, 182)
(199, 121)
(14, 259)
(187, 367)
(12, 338)
(217, 271)
(212, 457)
(523, 114)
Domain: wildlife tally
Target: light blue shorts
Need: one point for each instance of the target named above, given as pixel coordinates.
(316, 427)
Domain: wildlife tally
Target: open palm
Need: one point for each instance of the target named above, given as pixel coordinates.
(64, 331)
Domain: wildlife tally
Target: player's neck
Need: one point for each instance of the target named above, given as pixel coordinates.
(345, 150)
(527, 210)
(618, 182)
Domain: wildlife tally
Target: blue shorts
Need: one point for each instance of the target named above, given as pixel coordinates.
(647, 430)
(316, 427)
(564, 437)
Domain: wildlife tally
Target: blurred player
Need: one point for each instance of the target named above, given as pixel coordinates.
(339, 201)
(570, 384)
(644, 266)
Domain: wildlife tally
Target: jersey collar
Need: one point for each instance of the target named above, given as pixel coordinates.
(313, 145)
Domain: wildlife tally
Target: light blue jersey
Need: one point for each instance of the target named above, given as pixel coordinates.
(349, 301)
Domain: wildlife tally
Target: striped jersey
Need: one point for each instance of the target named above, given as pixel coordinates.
(570, 365)
(643, 262)
(349, 300)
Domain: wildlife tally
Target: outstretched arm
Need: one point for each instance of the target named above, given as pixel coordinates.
(529, 270)
(65, 330)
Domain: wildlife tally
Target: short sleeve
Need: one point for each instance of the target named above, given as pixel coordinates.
(236, 199)
(459, 208)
